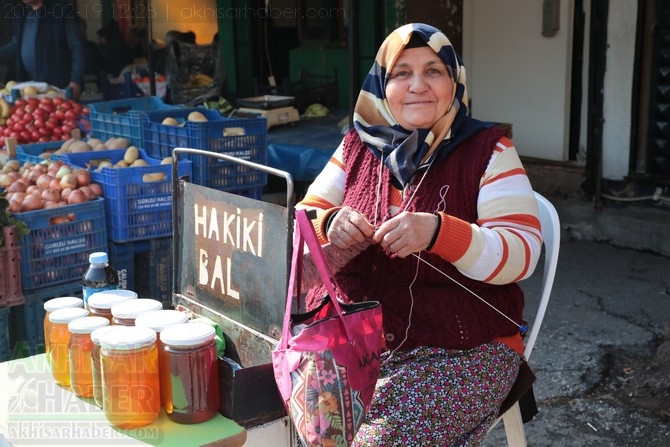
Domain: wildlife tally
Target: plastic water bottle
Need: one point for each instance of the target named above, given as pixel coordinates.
(100, 276)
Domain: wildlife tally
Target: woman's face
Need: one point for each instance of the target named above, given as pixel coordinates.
(419, 89)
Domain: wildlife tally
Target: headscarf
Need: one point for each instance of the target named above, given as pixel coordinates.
(404, 152)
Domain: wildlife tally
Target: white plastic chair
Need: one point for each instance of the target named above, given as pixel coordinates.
(551, 239)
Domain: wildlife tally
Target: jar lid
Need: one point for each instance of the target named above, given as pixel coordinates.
(160, 319)
(187, 334)
(126, 338)
(62, 302)
(99, 257)
(107, 298)
(97, 334)
(131, 309)
(67, 314)
(86, 325)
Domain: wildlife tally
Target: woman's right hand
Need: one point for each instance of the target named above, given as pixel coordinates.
(349, 227)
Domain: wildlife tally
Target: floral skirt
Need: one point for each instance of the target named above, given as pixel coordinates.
(437, 397)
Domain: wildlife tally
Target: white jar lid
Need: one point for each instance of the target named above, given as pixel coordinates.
(190, 334)
(160, 319)
(62, 302)
(131, 309)
(86, 325)
(126, 338)
(107, 298)
(67, 314)
(97, 334)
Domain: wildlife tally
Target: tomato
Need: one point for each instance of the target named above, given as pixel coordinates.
(51, 123)
(39, 123)
(26, 135)
(58, 100)
(67, 105)
(19, 103)
(57, 132)
(44, 131)
(85, 111)
(71, 115)
(59, 114)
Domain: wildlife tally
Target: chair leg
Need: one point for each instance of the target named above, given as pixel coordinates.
(516, 436)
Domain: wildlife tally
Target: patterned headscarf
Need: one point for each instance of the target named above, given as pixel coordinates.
(405, 152)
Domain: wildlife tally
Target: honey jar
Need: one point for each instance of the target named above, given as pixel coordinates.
(159, 320)
(100, 303)
(191, 366)
(59, 338)
(96, 369)
(125, 313)
(130, 377)
(79, 353)
(55, 304)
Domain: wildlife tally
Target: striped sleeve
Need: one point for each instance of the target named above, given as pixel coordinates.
(327, 189)
(505, 243)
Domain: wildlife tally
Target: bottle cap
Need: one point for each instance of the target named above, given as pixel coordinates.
(125, 338)
(108, 298)
(99, 257)
(86, 325)
(187, 334)
(62, 302)
(97, 334)
(63, 316)
(131, 309)
(160, 319)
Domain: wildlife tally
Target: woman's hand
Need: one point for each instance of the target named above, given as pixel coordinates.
(349, 227)
(407, 233)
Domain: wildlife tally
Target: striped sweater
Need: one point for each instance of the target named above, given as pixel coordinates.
(501, 247)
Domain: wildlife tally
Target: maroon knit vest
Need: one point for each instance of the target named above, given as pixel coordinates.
(444, 314)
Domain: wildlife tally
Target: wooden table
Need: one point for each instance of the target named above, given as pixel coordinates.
(35, 411)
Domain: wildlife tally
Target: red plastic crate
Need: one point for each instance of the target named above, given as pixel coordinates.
(54, 253)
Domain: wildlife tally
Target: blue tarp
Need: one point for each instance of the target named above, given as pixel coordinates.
(302, 162)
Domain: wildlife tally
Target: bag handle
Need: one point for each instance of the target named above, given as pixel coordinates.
(305, 233)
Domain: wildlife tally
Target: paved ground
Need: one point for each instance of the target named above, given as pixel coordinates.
(604, 322)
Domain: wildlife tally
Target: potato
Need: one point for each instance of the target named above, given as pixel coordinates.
(121, 164)
(99, 147)
(197, 117)
(93, 142)
(169, 121)
(131, 154)
(154, 177)
(79, 146)
(166, 161)
(117, 143)
(104, 164)
(64, 148)
(139, 162)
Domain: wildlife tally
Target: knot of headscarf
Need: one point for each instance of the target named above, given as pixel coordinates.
(404, 152)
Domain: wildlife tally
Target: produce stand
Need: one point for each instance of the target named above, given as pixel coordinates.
(231, 263)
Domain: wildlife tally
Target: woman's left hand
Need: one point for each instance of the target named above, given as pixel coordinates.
(406, 233)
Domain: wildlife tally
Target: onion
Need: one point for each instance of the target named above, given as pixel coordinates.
(43, 181)
(5, 180)
(54, 166)
(87, 192)
(63, 171)
(68, 181)
(50, 195)
(83, 177)
(76, 196)
(33, 189)
(58, 220)
(96, 188)
(17, 186)
(31, 202)
(51, 204)
(55, 184)
(65, 193)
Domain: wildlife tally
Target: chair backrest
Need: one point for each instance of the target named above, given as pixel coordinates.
(551, 239)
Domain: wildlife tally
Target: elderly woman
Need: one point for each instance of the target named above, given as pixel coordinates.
(441, 223)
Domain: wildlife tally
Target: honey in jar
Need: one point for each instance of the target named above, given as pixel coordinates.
(159, 320)
(55, 304)
(96, 370)
(130, 378)
(79, 353)
(125, 313)
(100, 303)
(191, 363)
(59, 338)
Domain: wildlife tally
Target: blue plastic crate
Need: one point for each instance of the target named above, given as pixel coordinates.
(243, 138)
(135, 207)
(122, 117)
(34, 152)
(26, 329)
(5, 344)
(56, 249)
(122, 257)
(153, 277)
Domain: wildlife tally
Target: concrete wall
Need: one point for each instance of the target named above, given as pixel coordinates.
(518, 76)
